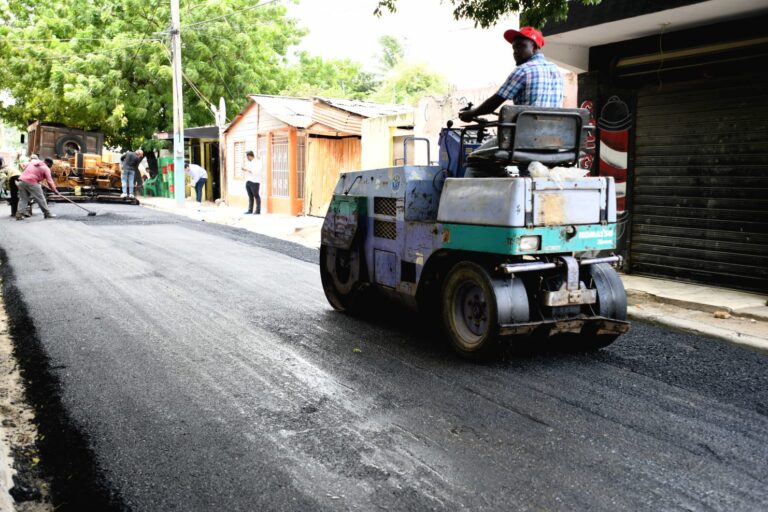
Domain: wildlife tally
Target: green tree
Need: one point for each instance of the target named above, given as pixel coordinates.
(401, 82)
(407, 83)
(391, 52)
(404, 82)
(485, 12)
(106, 65)
(315, 76)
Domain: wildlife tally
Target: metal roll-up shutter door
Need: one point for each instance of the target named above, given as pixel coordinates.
(700, 195)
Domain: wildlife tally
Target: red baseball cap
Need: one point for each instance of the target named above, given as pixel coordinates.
(527, 32)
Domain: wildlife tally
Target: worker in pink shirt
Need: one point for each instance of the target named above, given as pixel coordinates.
(35, 172)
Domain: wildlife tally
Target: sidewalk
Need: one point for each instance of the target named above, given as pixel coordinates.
(304, 230)
(737, 317)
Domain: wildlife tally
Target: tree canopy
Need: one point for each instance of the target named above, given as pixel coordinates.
(404, 82)
(407, 83)
(336, 78)
(391, 52)
(106, 65)
(486, 12)
(396, 81)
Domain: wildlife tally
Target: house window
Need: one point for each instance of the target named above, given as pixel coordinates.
(239, 159)
(280, 170)
(300, 161)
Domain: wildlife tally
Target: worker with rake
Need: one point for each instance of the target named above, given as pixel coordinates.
(35, 172)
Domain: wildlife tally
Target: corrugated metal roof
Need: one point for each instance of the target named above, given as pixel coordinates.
(290, 110)
(364, 108)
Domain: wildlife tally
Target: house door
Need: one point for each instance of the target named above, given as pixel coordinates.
(279, 186)
(215, 170)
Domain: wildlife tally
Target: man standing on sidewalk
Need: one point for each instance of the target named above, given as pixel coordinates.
(130, 167)
(29, 187)
(252, 170)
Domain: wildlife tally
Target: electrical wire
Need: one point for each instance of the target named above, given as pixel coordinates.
(204, 22)
(100, 52)
(57, 40)
(191, 84)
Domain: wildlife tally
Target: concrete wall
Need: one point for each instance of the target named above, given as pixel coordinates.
(243, 135)
(378, 134)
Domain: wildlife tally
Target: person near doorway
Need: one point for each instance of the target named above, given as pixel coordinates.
(199, 178)
(130, 168)
(29, 187)
(144, 169)
(252, 170)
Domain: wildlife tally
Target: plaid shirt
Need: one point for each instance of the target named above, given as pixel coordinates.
(536, 82)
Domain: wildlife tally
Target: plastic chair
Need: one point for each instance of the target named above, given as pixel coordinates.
(152, 185)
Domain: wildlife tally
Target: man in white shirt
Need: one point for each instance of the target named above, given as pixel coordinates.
(252, 169)
(199, 178)
(144, 169)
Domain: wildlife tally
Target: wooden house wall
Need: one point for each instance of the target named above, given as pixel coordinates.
(341, 120)
(326, 160)
(266, 122)
(246, 130)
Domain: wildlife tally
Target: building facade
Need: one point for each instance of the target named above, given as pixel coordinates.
(304, 145)
(678, 100)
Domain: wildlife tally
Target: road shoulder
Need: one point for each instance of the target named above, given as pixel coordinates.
(20, 474)
(720, 323)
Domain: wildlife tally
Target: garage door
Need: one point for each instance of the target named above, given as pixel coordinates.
(700, 195)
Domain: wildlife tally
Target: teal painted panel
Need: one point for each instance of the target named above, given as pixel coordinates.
(348, 205)
(505, 240)
(342, 222)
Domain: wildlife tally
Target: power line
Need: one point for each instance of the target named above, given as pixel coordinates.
(71, 39)
(262, 4)
(191, 84)
(101, 51)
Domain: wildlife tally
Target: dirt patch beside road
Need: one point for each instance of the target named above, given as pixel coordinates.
(19, 433)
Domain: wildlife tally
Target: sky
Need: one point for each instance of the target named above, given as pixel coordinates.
(468, 57)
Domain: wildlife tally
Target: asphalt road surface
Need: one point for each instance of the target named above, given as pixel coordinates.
(183, 366)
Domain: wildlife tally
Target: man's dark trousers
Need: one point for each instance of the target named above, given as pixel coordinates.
(199, 187)
(253, 193)
(14, 194)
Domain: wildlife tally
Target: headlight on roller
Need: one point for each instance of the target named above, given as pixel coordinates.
(529, 243)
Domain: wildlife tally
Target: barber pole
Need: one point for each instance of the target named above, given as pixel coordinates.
(614, 124)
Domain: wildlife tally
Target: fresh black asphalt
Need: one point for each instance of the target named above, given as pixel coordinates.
(178, 365)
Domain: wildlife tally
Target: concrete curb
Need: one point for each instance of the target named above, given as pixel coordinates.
(744, 340)
(698, 306)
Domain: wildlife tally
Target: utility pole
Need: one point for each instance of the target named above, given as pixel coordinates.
(220, 115)
(178, 107)
(221, 121)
